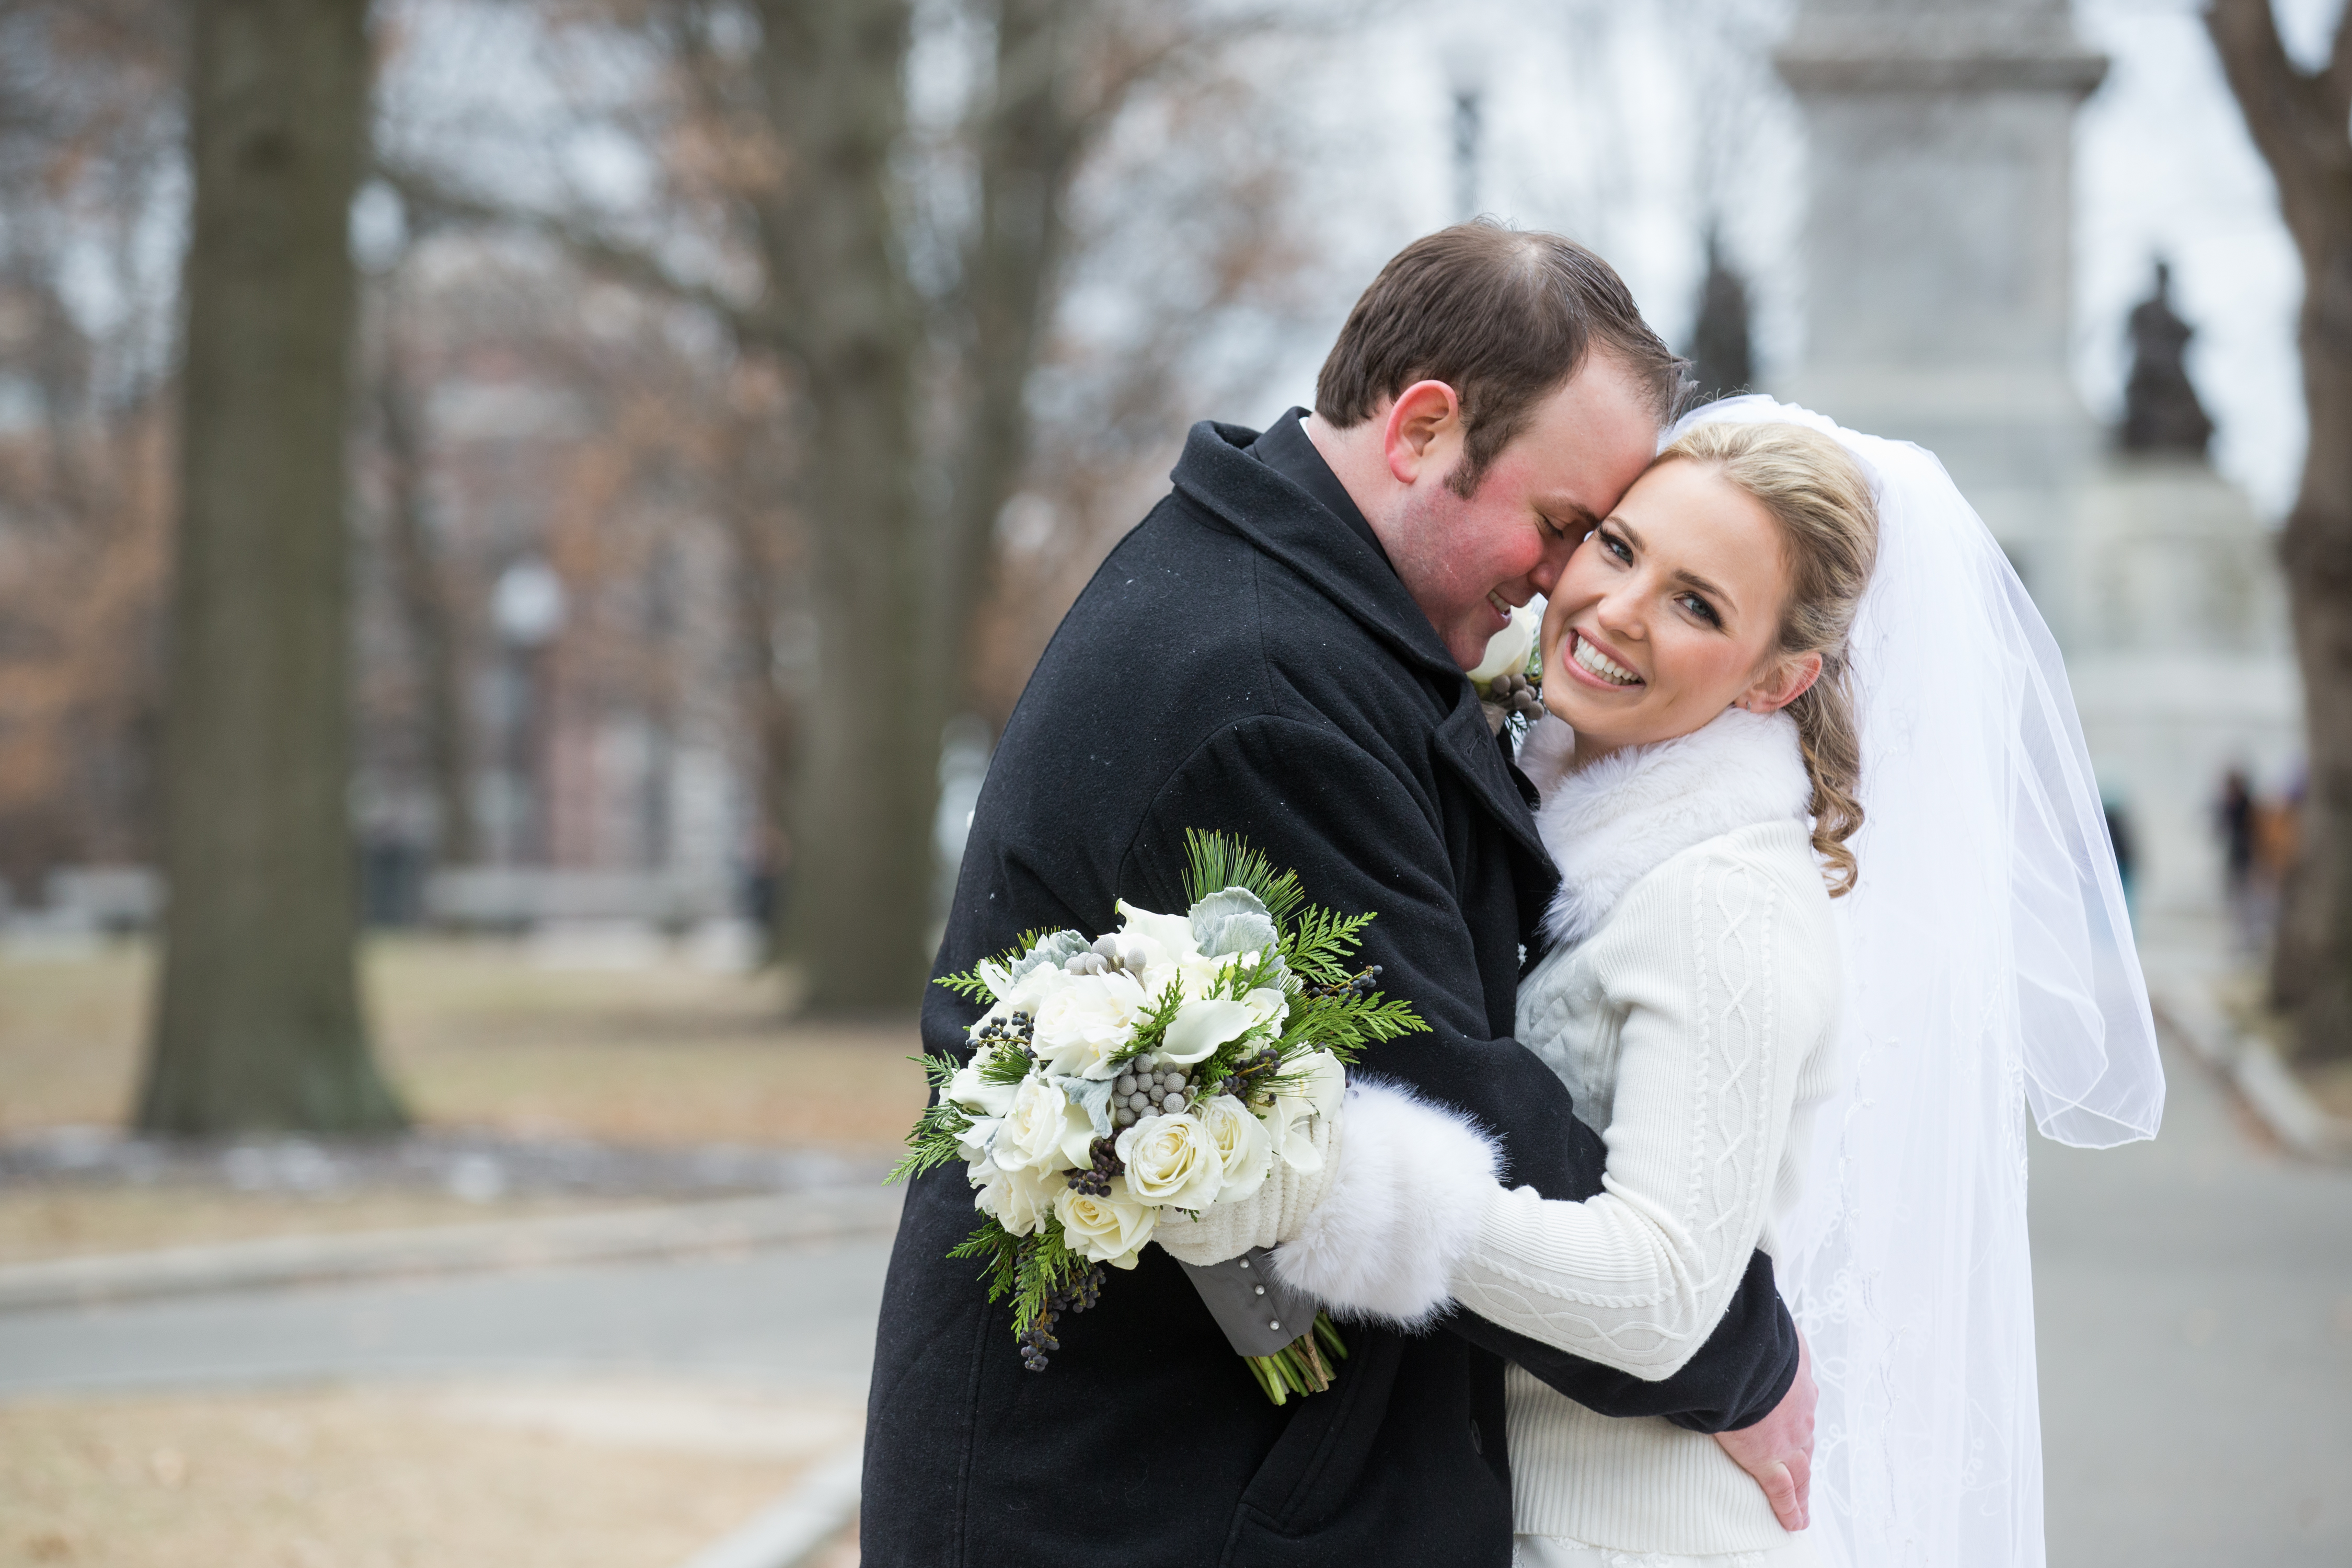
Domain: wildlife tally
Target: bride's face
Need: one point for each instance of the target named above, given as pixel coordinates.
(1669, 613)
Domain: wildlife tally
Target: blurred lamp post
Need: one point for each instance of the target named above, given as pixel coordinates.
(1465, 71)
(527, 609)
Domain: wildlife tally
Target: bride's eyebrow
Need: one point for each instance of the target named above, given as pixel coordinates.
(1693, 580)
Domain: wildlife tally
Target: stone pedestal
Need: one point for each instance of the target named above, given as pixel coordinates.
(1936, 249)
(2182, 669)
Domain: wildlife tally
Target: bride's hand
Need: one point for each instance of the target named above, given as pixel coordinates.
(1779, 1450)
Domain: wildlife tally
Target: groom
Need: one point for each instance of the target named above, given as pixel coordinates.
(1278, 651)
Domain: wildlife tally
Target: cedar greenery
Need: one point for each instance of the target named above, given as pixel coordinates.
(1328, 1007)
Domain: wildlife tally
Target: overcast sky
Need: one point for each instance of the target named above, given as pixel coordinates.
(1596, 124)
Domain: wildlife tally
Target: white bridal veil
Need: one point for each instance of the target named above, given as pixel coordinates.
(1989, 970)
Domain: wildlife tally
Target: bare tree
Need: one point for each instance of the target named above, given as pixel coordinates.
(780, 145)
(90, 149)
(2299, 120)
(424, 594)
(258, 1021)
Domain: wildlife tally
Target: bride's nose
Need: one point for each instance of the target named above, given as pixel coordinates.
(1619, 613)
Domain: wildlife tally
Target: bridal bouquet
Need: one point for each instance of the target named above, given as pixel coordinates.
(1161, 1069)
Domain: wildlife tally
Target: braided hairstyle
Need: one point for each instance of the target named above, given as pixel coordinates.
(1821, 502)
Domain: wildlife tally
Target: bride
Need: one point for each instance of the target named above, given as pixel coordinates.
(1837, 906)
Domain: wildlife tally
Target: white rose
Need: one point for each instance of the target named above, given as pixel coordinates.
(1172, 1160)
(1020, 1200)
(1080, 1025)
(1244, 1150)
(1507, 650)
(1037, 1130)
(1165, 939)
(1105, 1230)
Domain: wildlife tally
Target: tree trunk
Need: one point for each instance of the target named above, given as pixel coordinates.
(841, 310)
(2299, 120)
(258, 1023)
(422, 589)
(1027, 141)
(2313, 964)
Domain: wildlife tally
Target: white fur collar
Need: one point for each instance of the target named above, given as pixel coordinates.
(1621, 818)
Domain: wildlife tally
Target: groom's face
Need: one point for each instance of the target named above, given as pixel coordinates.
(1468, 562)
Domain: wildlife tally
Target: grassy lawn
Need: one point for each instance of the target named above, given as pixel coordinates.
(582, 1475)
(475, 1035)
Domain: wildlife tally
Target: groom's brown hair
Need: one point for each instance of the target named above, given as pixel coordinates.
(1502, 317)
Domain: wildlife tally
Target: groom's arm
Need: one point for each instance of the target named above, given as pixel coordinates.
(1363, 839)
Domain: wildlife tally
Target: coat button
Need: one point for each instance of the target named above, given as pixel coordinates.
(1477, 1439)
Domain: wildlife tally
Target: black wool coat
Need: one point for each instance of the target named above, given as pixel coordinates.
(1247, 660)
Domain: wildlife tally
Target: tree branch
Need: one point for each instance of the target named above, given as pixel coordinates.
(2337, 81)
(435, 202)
(2297, 120)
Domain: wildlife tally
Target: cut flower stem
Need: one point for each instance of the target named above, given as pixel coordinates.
(1299, 1367)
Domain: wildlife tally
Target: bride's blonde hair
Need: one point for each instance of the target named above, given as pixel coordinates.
(1821, 500)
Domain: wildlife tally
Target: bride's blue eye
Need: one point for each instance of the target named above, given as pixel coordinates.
(1615, 546)
(1702, 609)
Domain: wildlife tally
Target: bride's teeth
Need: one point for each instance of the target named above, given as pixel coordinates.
(1601, 665)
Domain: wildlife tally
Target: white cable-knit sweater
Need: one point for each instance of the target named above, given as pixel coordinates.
(1691, 1006)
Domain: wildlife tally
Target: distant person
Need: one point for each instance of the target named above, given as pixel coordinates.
(1745, 721)
(2234, 815)
(2120, 843)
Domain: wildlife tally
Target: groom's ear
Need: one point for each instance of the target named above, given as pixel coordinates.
(1782, 684)
(1423, 427)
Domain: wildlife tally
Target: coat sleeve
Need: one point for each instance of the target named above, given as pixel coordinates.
(1362, 836)
(1721, 1003)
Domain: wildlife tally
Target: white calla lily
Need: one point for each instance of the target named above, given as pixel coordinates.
(1200, 1027)
(1507, 651)
(969, 1090)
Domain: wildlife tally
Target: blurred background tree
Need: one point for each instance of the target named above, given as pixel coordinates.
(2301, 123)
(257, 1022)
(892, 286)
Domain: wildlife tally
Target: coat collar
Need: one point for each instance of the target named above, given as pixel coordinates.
(1611, 824)
(1218, 473)
(1280, 517)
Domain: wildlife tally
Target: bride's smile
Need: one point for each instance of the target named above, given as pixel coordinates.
(1669, 613)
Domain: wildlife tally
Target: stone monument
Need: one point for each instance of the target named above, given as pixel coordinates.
(2180, 658)
(1938, 280)
(1936, 251)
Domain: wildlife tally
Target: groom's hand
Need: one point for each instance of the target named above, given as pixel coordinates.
(1779, 1450)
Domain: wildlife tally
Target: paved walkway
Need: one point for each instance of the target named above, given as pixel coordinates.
(2196, 1338)
(2194, 1300)
(801, 1318)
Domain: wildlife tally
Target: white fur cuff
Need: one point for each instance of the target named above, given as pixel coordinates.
(1412, 1187)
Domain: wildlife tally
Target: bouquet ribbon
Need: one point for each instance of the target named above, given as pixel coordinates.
(1259, 1314)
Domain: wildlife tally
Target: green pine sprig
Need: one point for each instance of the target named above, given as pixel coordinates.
(968, 985)
(1317, 947)
(937, 1136)
(1216, 861)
